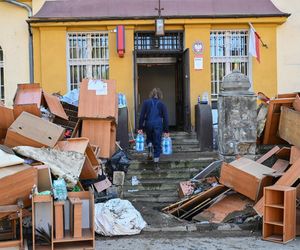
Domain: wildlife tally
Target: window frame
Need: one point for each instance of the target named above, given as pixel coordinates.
(226, 59)
(2, 84)
(85, 59)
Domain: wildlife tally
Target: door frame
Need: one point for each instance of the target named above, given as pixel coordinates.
(164, 60)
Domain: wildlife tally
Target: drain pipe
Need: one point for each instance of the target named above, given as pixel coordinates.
(29, 10)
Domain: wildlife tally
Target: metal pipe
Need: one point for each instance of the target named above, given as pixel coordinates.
(30, 43)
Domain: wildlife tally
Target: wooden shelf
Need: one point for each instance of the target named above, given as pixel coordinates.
(274, 237)
(86, 235)
(280, 206)
(279, 214)
(86, 245)
(277, 223)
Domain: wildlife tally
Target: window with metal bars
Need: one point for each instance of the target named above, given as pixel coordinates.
(172, 41)
(1, 76)
(88, 56)
(228, 49)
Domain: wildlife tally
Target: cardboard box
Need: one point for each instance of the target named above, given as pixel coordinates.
(30, 130)
(246, 177)
(93, 105)
(101, 133)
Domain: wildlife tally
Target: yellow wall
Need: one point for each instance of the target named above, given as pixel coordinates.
(288, 49)
(51, 65)
(121, 69)
(199, 79)
(265, 73)
(53, 59)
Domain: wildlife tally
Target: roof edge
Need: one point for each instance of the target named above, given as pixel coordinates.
(80, 19)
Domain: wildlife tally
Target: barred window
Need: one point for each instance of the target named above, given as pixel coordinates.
(88, 56)
(227, 49)
(1, 76)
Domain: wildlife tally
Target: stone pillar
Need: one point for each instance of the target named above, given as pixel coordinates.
(236, 117)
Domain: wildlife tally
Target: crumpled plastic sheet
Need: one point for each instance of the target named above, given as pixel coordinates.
(118, 217)
(71, 97)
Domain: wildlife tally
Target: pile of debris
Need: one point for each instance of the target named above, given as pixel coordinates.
(52, 169)
(245, 190)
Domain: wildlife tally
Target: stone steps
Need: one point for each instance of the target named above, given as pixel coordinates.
(161, 187)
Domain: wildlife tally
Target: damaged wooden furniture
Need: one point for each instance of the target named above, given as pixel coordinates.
(289, 126)
(30, 130)
(101, 133)
(7, 118)
(16, 183)
(279, 223)
(79, 222)
(273, 116)
(246, 177)
(287, 179)
(17, 241)
(98, 110)
(42, 220)
(30, 98)
(81, 145)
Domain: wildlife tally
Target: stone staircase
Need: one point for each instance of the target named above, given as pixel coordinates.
(161, 187)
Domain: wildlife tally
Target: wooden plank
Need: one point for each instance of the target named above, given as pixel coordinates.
(228, 204)
(97, 106)
(59, 219)
(235, 174)
(288, 179)
(284, 153)
(35, 129)
(16, 183)
(296, 103)
(28, 94)
(272, 122)
(280, 165)
(289, 126)
(210, 193)
(7, 117)
(295, 154)
(76, 217)
(55, 106)
(101, 133)
(287, 95)
(29, 108)
(268, 154)
(44, 182)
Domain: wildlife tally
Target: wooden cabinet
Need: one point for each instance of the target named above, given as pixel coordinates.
(279, 223)
(71, 222)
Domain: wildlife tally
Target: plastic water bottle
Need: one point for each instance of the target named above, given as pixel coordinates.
(167, 146)
(124, 102)
(139, 143)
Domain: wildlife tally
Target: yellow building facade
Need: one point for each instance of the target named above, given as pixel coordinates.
(50, 50)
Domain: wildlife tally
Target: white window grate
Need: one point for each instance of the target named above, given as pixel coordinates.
(88, 56)
(1, 76)
(227, 49)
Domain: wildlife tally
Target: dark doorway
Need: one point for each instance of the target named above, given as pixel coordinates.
(166, 73)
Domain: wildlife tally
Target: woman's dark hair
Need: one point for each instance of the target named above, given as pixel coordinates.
(156, 93)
